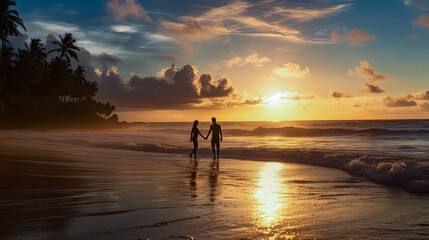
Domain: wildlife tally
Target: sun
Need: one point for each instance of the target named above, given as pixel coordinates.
(276, 100)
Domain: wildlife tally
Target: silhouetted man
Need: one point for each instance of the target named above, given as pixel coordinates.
(215, 136)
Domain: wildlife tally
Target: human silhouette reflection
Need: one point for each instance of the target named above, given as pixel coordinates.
(193, 181)
(213, 179)
(194, 138)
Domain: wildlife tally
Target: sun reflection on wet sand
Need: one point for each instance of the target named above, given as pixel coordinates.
(270, 208)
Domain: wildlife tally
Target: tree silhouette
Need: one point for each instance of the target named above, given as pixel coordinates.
(9, 21)
(7, 53)
(37, 51)
(67, 47)
(35, 92)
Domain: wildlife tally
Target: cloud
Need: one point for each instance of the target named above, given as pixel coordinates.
(124, 28)
(417, 4)
(234, 18)
(423, 96)
(422, 20)
(305, 14)
(337, 94)
(56, 27)
(254, 101)
(106, 59)
(372, 88)
(172, 88)
(368, 72)
(398, 102)
(424, 107)
(290, 70)
(371, 76)
(191, 30)
(357, 105)
(355, 37)
(253, 59)
(121, 9)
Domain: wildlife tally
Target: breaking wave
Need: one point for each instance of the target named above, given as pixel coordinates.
(320, 132)
(408, 173)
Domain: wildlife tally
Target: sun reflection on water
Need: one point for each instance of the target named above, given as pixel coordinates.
(270, 205)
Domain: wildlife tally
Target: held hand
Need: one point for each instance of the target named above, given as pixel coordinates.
(221, 139)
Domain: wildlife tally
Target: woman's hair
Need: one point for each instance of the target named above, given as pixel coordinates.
(195, 123)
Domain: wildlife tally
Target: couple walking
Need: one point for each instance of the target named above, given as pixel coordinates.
(215, 137)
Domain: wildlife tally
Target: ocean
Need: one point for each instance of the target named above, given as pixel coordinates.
(391, 152)
(274, 180)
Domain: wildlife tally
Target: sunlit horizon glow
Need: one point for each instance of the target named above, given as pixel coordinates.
(246, 60)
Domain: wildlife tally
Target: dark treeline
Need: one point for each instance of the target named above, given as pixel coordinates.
(35, 92)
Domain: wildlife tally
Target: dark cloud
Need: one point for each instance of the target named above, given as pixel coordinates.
(372, 88)
(106, 59)
(398, 102)
(172, 88)
(19, 41)
(336, 94)
(357, 105)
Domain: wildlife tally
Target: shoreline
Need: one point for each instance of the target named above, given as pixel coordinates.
(80, 192)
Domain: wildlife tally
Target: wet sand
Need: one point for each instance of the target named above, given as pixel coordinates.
(53, 191)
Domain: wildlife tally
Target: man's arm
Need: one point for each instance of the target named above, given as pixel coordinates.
(220, 131)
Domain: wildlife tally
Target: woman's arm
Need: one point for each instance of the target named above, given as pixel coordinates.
(201, 134)
(190, 139)
(220, 131)
(209, 132)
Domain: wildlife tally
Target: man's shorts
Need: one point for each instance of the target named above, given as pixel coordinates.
(215, 141)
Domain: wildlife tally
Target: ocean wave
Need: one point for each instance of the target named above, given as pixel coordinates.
(396, 171)
(321, 132)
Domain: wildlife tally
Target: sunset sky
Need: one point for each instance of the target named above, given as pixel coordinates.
(247, 60)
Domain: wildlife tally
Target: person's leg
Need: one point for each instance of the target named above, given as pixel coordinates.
(193, 150)
(217, 145)
(213, 149)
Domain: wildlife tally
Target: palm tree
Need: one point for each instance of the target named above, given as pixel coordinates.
(7, 53)
(37, 51)
(9, 21)
(67, 47)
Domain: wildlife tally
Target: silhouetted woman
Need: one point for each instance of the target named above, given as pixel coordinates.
(194, 138)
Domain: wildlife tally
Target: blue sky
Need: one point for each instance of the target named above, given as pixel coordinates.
(263, 48)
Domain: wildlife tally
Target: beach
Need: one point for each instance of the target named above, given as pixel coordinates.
(64, 191)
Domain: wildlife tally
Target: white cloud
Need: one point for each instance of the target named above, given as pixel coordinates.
(252, 59)
(124, 28)
(231, 19)
(58, 27)
(305, 14)
(290, 70)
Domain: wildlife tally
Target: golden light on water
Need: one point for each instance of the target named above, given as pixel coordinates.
(269, 196)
